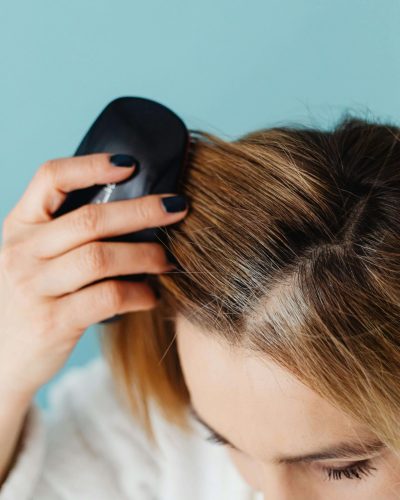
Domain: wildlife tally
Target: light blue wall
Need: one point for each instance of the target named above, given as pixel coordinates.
(227, 66)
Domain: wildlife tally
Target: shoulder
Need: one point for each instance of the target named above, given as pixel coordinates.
(82, 391)
(92, 440)
(86, 400)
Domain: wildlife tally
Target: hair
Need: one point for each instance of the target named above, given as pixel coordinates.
(290, 249)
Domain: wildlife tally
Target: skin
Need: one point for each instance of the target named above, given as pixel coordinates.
(43, 318)
(267, 413)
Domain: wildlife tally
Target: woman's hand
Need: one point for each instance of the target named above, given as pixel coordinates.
(45, 262)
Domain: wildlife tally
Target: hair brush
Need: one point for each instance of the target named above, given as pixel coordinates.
(160, 142)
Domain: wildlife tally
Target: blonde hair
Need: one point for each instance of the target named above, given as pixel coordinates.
(290, 249)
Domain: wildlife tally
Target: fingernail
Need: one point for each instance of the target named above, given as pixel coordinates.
(174, 203)
(123, 160)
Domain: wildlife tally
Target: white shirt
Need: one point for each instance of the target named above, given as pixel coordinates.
(87, 446)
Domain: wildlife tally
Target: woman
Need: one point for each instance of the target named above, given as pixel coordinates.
(277, 336)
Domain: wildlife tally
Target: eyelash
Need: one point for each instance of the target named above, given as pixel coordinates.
(215, 439)
(356, 471)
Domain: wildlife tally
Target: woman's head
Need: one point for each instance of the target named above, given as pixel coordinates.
(284, 439)
(289, 255)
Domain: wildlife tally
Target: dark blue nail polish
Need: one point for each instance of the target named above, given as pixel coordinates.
(174, 203)
(123, 160)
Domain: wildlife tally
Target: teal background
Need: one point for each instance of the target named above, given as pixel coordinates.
(224, 66)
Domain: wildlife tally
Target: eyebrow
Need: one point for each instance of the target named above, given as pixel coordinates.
(345, 449)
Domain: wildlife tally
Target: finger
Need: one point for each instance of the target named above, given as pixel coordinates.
(55, 178)
(94, 261)
(93, 222)
(103, 300)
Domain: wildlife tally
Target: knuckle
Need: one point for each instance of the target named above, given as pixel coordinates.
(14, 268)
(8, 256)
(49, 169)
(87, 219)
(144, 211)
(95, 258)
(94, 162)
(6, 227)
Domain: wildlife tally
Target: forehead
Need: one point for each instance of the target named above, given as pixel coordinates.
(231, 388)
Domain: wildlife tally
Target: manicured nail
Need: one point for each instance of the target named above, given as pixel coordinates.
(122, 160)
(174, 203)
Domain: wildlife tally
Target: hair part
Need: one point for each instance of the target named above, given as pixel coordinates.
(290, 250)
